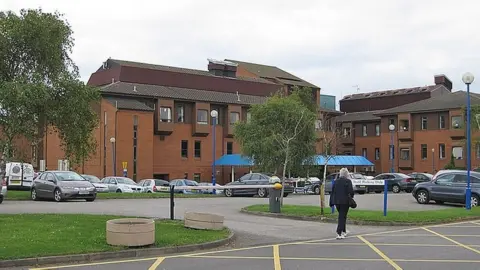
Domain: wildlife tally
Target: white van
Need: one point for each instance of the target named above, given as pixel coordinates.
(19, 175)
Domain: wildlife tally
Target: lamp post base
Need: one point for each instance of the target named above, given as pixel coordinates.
(468, 198)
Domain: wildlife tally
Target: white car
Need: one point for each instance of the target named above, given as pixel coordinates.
(154, 185)
(99, 186)
(121, 184)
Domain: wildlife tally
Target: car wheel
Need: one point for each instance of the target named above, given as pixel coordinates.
(422, 197)
(57, 195)
(33, 194)
(228, 193)
(316, 190)
(118, 191)
(262, 193)
(396, 189)
(285, 194)
(408, 190)
(474, 200)
(149, 191)
(378, 191)
(361, 192)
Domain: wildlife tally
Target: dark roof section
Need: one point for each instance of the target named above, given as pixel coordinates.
(330, 111)
(272, 72)
(404, 91)
(128, 104)
(358, 117)
(157, 91)
(449, 101)
(178, 70)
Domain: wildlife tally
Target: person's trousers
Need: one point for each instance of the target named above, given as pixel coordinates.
(342, 217)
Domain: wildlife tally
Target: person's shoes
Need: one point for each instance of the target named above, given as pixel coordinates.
(344, 234)
(340, 236)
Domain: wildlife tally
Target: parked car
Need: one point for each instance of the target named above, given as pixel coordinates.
(184, 182)
(3, 190)
(19, 175)
(62, 185)
(101, 188)
(448, 187)
(313, 184)
(256, 179)
(154, 185)
(421, 177)
(209, 190)
(121, 184)
(397, 182)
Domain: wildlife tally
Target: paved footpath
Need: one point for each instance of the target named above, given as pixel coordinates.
(440, 247)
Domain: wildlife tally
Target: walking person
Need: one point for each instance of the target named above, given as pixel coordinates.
(341, 197)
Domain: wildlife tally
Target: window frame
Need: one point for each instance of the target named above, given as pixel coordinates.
(199, 116)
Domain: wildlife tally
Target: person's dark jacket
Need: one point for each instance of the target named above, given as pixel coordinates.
(342, 188)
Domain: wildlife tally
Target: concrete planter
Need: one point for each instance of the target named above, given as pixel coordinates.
(131, 232)
(203, 221)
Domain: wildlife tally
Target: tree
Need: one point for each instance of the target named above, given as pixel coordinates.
(281, 132)
(330, 132)
(40, 86)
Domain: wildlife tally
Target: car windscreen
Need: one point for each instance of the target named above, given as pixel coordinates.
(91, 178)
(161, 183)
(356, 176)
(191, 183)
(126, 181)
(69, 176)
(401, 175)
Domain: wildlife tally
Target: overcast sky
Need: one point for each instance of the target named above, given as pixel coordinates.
(337, 45)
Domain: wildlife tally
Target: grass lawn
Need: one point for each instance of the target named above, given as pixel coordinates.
(35, 235)
(25, 195)
(443, 215)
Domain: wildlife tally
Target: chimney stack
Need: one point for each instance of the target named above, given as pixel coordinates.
(443, 80)
(222, 68)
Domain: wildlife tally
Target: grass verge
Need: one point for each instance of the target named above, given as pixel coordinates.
(17, 195)
(36, 235)
(399, 217)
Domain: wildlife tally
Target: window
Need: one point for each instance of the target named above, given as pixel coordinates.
(34, 154)
(229, 148)
(165, 114)
(318, 124)
(445, 179)
(405, 154)
(377, 153)
(441, 151)
(180, 113)
(424, 152)
(404, 126)
(249, 117)
(391, 121)
(364, 130)
(184, 150)
(196, 177)
(234, 117)
(457, 152)
(441, 122)
(364, 152)
(477, 150)
(346, 132)
(457, 122)
(392, 152)
(202, 117)
(135, 145)
(424, 123)
(377, 130)
(197, 151)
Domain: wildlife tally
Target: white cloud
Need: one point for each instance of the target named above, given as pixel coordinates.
(333, 44)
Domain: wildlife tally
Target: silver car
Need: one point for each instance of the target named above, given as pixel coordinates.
(101, 188)
(62, 185)
(154, 185)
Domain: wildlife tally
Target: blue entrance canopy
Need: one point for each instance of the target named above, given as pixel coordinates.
(234, 160)
(342, 161)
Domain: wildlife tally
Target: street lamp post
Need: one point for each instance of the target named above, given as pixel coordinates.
(392, 170)
(114, 163)
(433, 160)
(468, 79)
(214, 115)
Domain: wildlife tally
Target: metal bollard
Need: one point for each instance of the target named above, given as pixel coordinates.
(274, 200)
(172, 202)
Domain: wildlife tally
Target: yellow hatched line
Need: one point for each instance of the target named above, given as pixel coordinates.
(276, 257)
(380, 253)
(156, 263)
(451, 240)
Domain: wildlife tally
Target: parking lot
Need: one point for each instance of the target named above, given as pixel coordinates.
(453, 246)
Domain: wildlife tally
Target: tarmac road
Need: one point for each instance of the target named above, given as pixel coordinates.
(441, 247)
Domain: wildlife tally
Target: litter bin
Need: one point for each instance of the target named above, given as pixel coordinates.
(275, 194)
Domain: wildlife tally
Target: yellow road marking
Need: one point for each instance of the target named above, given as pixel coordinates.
(466, 226)
(476, 223)
(336, 259)
(156, 263)
(438, 261)
(230, 257)
(96, 263)
(276, 257)
(380, 253)
(453, 241)
(379, 244)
